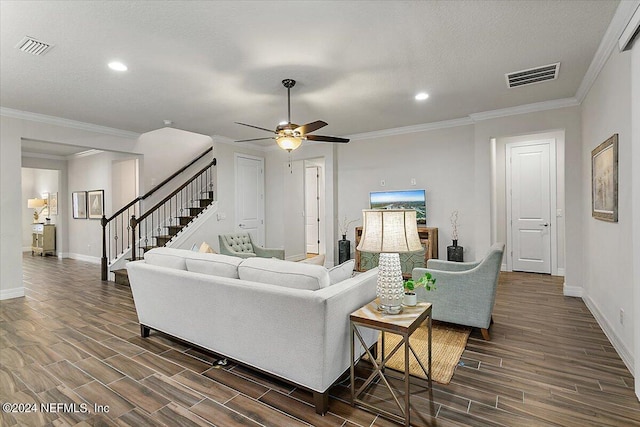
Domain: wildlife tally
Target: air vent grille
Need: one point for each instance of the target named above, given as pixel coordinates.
(33, 46)
(533, 75)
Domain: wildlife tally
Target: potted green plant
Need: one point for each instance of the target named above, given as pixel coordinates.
(427, 280)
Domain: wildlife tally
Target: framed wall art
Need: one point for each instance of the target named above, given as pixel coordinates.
(53, 203)
(604, 180)
(96, 204)
(79, 204)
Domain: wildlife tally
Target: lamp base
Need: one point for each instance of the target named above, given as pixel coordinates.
(390, 286)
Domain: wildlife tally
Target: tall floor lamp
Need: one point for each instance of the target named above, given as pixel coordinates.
(389, 232)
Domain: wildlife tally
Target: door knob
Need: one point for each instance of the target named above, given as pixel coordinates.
(546, 224)
(240, 225)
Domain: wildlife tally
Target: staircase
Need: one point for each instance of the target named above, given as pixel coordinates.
(126, 235)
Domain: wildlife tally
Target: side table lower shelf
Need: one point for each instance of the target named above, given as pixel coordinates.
(403, 324)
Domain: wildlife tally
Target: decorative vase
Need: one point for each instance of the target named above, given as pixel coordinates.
(410, 299)
(344, 249)
(455, 252)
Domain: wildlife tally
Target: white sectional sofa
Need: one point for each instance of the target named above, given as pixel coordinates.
(282, 318)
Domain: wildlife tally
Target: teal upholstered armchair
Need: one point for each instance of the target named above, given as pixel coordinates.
(466, 291)
(240, 245)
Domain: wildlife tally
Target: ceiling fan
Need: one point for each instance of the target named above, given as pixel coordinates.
(289, 135)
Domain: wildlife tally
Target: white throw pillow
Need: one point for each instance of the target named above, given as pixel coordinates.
(214, 264)
(284, 273)
(342, 272)
(167, 257)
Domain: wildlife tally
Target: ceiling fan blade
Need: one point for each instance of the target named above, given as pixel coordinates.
(325, 138)
(255, 127)
(310, 127)
(254, 139)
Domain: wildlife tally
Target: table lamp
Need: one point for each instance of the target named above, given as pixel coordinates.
(35, 204)
(389, 232)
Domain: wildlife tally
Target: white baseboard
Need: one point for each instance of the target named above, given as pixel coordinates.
(503, 267)
(12, 293)
(572, 291)
(560, 271)
(86, 258)
(618, 344)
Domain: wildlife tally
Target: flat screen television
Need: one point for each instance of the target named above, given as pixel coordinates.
(401, 199)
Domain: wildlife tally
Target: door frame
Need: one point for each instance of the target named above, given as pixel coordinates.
(553, 202)
(260, 233)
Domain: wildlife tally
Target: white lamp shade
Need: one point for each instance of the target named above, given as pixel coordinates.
(389, 231)
(36, 203)
(288, 142)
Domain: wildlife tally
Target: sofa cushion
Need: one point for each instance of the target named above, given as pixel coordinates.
(341, 272)
(214, 264)
(167, 257)
(284, 273)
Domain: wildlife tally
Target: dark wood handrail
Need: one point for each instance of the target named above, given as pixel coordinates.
(176, 191)
(157, 187)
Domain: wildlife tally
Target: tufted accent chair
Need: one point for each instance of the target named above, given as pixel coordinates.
(240, 245)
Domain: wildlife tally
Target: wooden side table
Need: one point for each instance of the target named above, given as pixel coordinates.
(403, 324)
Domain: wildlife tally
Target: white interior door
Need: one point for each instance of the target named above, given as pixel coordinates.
(529, 200)
(294, 218)
(312, 209)
(250, 196)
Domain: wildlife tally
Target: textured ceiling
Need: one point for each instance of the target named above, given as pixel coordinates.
(205, 65)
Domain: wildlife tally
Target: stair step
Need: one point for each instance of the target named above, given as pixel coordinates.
(147, 248)
(205, 202)
(207, 194)
(122, 278)
(162, 240)
(138, 258)
(174, 229)
(184, 220)
(195, 211)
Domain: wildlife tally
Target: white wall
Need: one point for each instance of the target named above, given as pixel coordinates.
(607, 259)
(442, 163)
(276, 189)
(635, 177)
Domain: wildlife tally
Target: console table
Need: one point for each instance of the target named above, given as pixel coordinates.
(43, 239)
(428, 237)
(403, 324)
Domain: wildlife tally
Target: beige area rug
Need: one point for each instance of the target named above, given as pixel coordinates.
(447, 344)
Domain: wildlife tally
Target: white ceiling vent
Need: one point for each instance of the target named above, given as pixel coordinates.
(533, 75)
(33, 46)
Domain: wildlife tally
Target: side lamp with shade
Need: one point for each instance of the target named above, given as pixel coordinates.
(389, 232)
(36, 204)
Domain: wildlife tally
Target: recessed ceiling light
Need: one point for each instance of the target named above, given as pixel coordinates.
(117, 66)
(422, 96)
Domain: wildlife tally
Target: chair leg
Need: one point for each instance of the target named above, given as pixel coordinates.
(485, 334)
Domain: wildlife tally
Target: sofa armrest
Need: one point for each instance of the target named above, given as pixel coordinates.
(268, 253)
(439, 264)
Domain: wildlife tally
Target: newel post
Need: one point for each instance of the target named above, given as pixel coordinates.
(133, 222)
(103, 263)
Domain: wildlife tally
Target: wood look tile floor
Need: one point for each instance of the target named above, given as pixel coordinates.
(75, 340)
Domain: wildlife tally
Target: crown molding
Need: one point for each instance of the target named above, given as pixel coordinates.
(43, 156)
(412, 129)
(524, 109)
(58, 121)
(618, 23)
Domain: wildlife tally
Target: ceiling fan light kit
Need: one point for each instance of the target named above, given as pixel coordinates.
(289, 136)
